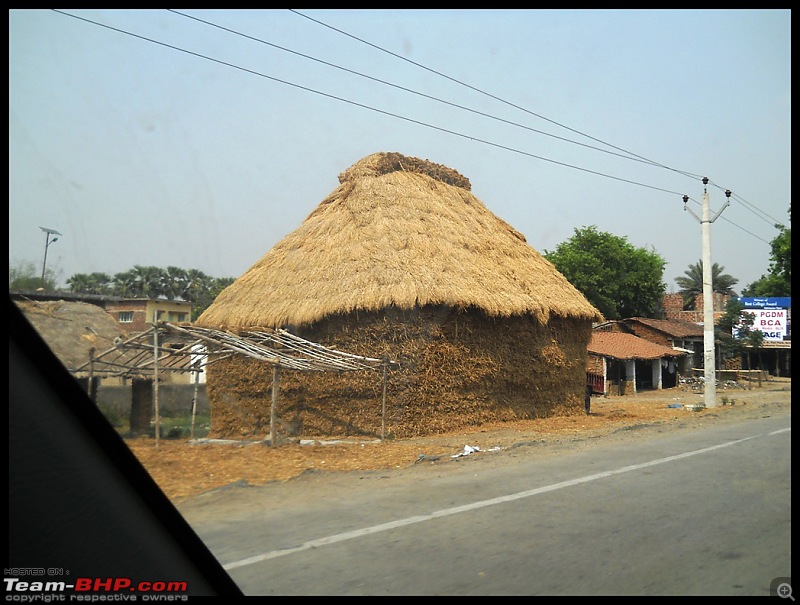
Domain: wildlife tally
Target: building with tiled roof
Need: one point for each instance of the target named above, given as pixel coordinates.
(678, 334)
(667, 330)
(630, 364)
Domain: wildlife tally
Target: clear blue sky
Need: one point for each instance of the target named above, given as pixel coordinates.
(180, 143)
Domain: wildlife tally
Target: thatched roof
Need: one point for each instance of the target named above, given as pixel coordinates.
(401, 232)
(71, 329)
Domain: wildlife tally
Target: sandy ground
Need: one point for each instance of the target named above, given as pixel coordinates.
(186, 468)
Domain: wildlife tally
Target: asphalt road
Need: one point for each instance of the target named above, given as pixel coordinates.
(705, 511)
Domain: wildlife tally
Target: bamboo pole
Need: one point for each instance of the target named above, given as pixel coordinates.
(89, 390)
(383, 411)
(155, 384)
(274, 410)
(194, 400)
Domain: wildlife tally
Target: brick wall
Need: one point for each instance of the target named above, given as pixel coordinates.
(594, 364)
(648, 333)
(673, 307)
(139, 323)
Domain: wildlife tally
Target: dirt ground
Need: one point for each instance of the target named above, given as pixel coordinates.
(186, 468)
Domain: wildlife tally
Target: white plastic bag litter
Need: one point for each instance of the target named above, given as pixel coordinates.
(468, 449)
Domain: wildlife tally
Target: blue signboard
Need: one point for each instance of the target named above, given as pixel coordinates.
(781, 302)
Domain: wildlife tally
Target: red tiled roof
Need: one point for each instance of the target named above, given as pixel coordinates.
(628, 346)
(671, 327)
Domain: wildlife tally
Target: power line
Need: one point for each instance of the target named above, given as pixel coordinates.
(414, 92)
(496, 98)
(368, 107)
(629, 154)
(751, 207)
(387, 113)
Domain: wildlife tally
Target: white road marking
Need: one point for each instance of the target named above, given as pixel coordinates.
(350, 535)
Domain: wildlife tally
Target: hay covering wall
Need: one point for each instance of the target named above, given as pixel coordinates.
(458, 369)
(402, 260)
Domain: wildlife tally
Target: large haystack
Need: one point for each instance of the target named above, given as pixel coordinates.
(72, 329)
(401, 260)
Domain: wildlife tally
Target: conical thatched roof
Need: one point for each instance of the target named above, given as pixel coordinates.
(71, 329)
(398, 231)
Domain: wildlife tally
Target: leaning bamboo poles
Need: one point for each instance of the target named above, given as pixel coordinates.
(169, 347)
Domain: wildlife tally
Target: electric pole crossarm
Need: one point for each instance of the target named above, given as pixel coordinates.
(725, 205)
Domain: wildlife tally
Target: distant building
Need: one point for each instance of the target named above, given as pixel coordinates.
(137, 314)
(674, 307)
(630, 363)
(773, 317)
(134, 315)
(131, 315)
(775, 355)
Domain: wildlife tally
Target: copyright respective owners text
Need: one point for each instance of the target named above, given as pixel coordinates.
(53, 584)
(782, 588)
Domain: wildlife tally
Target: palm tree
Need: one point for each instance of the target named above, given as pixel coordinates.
(197, 282)
(692, 284)
(173, 282)
(80, 282)
(124, 284)
(148, 280)
(90, 283)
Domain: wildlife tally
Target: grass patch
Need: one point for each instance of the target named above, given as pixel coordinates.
(172, 427)
(180, 427)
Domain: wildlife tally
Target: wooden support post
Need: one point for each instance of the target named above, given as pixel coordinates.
(91, 388)
(194, 400)
(273, 413)
(383, 412)
(155, 384)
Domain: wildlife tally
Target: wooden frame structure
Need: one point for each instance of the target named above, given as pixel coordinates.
(167, 347)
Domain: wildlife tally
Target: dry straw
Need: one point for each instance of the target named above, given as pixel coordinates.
(399, 232)
(402, 261)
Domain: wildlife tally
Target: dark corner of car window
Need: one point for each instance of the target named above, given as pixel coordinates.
(84, 514)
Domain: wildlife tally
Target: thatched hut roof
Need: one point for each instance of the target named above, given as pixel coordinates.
(71, 329)
(403, 232)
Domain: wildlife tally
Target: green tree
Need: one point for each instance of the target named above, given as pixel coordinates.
(23, 275)
(207, 296)
(148, 282)
(734, 332)
(90, 283)
(196, 286)
(691, 283)
(778, 282)
(124, 284)
(173, 282)
(619, 279)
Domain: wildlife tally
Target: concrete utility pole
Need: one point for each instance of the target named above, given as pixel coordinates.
(709, 358)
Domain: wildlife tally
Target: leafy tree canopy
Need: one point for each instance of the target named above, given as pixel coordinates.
(619, 279)
(172, 283)
(23, 275)
(778, 282)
